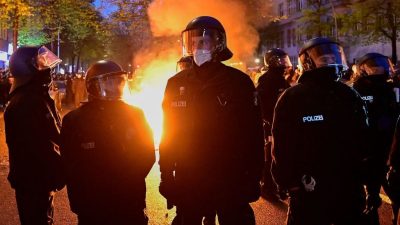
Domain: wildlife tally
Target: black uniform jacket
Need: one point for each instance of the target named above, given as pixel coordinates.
(213, 137)
(380, 99)
(394, 157)
(319, 129)
(107, 149)
(32, 135)
(270, 86)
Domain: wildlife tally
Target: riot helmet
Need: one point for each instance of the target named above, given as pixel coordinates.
(105, 80)
(205, 40)
(277, 58)
(322, 52)
(184, 63)
(29, 63)
(374, 64)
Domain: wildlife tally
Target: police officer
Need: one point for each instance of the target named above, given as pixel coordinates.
(318, 132)
(376, 90)
(211, 154)
(184, 63)
(270, 86)
(392, 187)
(108, 150)
(32, 135)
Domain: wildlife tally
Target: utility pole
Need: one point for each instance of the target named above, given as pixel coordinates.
(335, 19)
(58, 47)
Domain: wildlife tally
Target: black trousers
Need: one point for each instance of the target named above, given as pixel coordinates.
(309, 208)
(228, 214)
(35, 208)
(268, 185)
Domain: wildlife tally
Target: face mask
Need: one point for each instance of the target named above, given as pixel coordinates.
(202, 56)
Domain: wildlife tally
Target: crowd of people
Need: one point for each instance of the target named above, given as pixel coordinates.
(326, 144)
(68, 90)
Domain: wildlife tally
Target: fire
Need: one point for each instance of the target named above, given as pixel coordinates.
(146, 91)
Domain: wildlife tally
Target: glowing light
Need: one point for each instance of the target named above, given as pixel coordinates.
(146, 91)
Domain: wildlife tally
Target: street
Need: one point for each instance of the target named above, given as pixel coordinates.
(266, 213)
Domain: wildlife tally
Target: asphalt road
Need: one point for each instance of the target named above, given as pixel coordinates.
(266, 213)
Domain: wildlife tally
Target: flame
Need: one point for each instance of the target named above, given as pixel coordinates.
(157, 58)
(146, 91)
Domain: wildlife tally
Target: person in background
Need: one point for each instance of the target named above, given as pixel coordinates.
(107, 151)
(376, 89)
(211, 153)
(392, 187)
(319, 147)
(32, 127)
(78, 89)
(270, 86)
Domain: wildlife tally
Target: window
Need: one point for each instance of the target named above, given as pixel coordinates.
(280, 40)
(289, 7)
(289, 38)
(280, 10)
(299, 5)
(293, 37)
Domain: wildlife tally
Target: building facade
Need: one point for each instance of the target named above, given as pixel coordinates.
(5, 47)
(291, 39)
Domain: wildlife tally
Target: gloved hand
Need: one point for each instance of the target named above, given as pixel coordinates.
(393, 185)
(167, 189)
(373, 203)
(393, 178)
(283, 194)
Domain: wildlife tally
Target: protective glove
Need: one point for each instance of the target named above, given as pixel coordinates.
(393, 185)
(393, 178)
(167, 189)
(283, 194)
(373, 203)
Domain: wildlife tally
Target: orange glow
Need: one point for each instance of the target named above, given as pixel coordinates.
(148, 88)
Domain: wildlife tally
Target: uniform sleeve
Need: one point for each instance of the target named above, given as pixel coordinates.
(283, 145)
(38, 131)
(167, 161)
(252, 130)
(147, 152)
(33, 135)
(268, 96)
(394, 157)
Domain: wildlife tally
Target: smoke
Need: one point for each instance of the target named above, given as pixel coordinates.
(156, 61)
(239, 18)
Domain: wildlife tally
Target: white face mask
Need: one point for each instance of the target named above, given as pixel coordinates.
(202, 56)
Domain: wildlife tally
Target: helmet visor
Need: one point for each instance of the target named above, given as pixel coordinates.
(46, 59)
(328, 55)
(377, 65)
(200, 39)
(108, 87)
(280, 61)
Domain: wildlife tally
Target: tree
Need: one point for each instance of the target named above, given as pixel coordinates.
(315, 20)
(77, 24)
(269, 35)
(375, 21)
(14, 14)
(130, 29)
